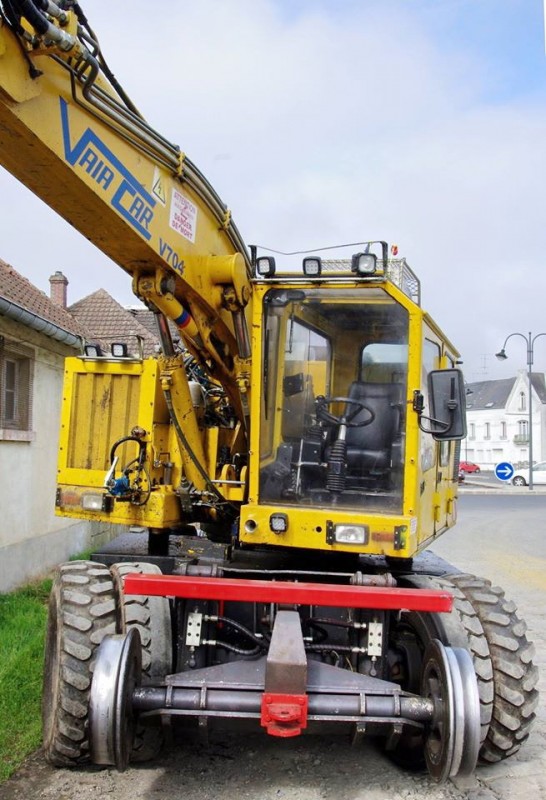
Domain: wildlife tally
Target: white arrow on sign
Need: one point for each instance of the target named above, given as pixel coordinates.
(504, 471)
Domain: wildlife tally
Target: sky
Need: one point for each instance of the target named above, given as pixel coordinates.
(320, 122)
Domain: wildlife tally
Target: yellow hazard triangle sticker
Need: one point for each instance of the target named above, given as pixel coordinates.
(158, 189)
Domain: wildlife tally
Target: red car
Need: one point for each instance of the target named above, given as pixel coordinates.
(468, 466)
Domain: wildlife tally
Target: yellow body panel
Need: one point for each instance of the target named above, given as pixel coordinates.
(308, 528)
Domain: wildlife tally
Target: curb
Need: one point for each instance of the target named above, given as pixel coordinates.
(500, 488)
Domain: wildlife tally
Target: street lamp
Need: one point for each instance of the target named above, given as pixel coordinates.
(467, 392)
(501, 355)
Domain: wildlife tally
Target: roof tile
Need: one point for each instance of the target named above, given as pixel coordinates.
(107, 321)
(20, 291)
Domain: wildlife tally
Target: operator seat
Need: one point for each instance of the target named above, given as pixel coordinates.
(369, 448)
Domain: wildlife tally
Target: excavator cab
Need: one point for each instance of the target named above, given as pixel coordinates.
(335, 385)
(339, 439)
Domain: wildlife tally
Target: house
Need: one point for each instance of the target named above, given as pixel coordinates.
(36, 334)
(498, 420)
(108, 322)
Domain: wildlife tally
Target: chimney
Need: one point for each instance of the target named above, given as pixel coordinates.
(58, 284)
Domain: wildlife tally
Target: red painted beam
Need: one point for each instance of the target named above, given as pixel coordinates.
(307, 594)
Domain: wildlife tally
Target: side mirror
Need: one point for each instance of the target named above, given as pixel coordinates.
(447, 404)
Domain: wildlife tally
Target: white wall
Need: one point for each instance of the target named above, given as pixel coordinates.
(32, 538)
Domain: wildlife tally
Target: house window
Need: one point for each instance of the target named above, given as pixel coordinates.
(523, 427)
(472, 430)
(503, 430)
(522, 401)
(487, 434)
(16, 370)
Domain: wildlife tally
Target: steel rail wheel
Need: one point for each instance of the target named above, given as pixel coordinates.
(117, 673)
(151, 617)
(452, 739)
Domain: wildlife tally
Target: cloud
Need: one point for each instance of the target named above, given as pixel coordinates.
(321, 123)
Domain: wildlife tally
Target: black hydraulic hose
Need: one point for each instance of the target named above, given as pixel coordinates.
(13, 20)
(84, 22)
(119, 88)
(33, 15)
(309, 623)
(239, 650)
(180, 433)
(241, 628)
(79, 12)
(329, 648)
(327, 621)
(12, 17)
(141, 444)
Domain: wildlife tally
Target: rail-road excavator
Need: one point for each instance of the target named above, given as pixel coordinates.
(303, 425)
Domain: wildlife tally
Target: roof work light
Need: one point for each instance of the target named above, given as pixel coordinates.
(312, 267)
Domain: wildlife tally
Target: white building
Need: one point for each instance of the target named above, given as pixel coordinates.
(498, 421)
(35, 336)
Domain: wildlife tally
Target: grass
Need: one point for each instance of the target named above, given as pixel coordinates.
(22, 631)
(23, 616)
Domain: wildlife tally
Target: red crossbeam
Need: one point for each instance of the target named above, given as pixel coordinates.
(288, 592)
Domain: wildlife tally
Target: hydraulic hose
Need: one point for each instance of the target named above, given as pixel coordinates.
(340, 623)
(241, 628)
(141, 444)
(239, 650)
(329, 648)
(12, 16)
(38, 21)
(180, 433)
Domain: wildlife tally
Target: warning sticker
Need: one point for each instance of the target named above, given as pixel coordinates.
(183, 216)
(158, 189)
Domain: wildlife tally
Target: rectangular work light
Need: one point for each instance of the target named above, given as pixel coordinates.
(278, 523)
(92, 351)
(364, 263)
(119, 350)
(312, 267)
(265, 266)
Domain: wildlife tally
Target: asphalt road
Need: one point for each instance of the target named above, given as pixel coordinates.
(498, 536)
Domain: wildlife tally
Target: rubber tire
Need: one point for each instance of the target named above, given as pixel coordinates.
(82, 610)
(515, 677)
(485, 624)
(520, 481)
(152, 618)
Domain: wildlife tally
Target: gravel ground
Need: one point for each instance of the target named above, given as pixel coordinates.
(235, 767)
(313, 769)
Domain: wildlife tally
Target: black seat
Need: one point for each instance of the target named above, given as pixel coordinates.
(369, 448)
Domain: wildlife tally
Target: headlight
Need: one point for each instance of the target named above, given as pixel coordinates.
(97, 502)
(349, 534)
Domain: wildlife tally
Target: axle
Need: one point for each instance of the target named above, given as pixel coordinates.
(210, 702)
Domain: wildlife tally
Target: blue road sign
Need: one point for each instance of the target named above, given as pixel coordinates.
(504, 471)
